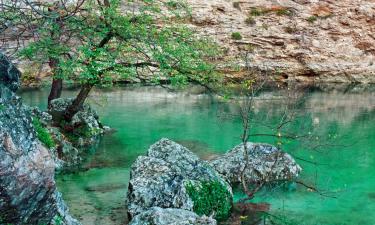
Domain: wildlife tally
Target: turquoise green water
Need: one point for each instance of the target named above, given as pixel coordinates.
(345, 167)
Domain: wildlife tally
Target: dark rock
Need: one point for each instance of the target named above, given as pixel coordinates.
(85, 125)
(160, 216)
(160, 179)
(266, 163)
(9, 74)
(28, 192)
(27, 188)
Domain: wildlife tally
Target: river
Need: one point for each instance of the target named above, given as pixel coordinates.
(343, 169)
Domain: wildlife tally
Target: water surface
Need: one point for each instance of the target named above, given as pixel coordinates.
(343, 169)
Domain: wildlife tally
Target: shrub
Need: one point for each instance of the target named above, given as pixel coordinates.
(236, 36)
(237, 5)
(283, 12)
(256, 12)
(312, 19)
(250, 20)
(42, 133)
(210, 197)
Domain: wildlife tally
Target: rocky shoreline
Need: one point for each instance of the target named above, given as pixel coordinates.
(170, 185)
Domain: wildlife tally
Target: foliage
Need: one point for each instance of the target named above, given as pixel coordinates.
(42, 133)
(279, 10)
(312, 19)
(210, 197)
(256, 12)
(250, 20)
(236, 36)
(112, 42)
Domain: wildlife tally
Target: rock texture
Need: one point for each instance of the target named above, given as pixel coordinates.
(9, 74)
(266, 164)
(28, 193)
(294, 40)
(85, 125)
(160, 216)
(159, 179)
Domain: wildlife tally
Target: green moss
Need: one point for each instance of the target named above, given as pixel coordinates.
(236, 36)
(312, 19)
(283, 12)
(250, 20)
(210, 197)
(256, 12)
(42, 133)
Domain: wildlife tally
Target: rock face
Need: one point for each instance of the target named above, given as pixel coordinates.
(164, 179)
(160, 216)
(85, 125)
(294, 40)
(9, 74)
(28, 193)
(266, 163)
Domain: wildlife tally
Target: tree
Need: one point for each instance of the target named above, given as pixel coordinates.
(43, 24)
(98, 41)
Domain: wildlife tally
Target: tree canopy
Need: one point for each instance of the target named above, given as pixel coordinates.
(93, 42)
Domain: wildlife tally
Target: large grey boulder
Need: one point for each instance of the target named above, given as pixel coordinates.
(85, 124)
(28, 192)
(171, 176)
(9, 74)
(266, 163)
(160, 216)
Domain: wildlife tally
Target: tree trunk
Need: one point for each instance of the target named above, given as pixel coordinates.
(77, 103)
(56, 89)
(57, 83)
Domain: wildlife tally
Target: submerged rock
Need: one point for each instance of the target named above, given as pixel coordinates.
(28, 192)
(171, 176)
(160, 216)
(84, 127)
(266, 163)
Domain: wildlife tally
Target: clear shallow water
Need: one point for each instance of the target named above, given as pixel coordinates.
(142, 116)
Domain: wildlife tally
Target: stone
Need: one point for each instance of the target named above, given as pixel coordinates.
(86, 124)
(170, 216)
(266, 163)
(9, 74)
(28, 192)
(161, 179)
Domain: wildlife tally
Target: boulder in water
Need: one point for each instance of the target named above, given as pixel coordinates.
(84, 127)
(266, 163)
(160, 216)
(171, 176)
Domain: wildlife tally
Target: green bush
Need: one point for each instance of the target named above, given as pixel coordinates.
(209, 197)
(42, 133)
(250, 20)
(236, 36)
(256, 12)
(283, 12)
(312, 19)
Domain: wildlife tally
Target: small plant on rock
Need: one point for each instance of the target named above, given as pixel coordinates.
(250, 20)
(210, 197)
(42, 133)
(236, 36)
(312, 19)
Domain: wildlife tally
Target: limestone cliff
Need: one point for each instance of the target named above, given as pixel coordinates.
(300, 40)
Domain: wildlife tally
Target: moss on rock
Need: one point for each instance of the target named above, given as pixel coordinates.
(42, 133)
(210, 197)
